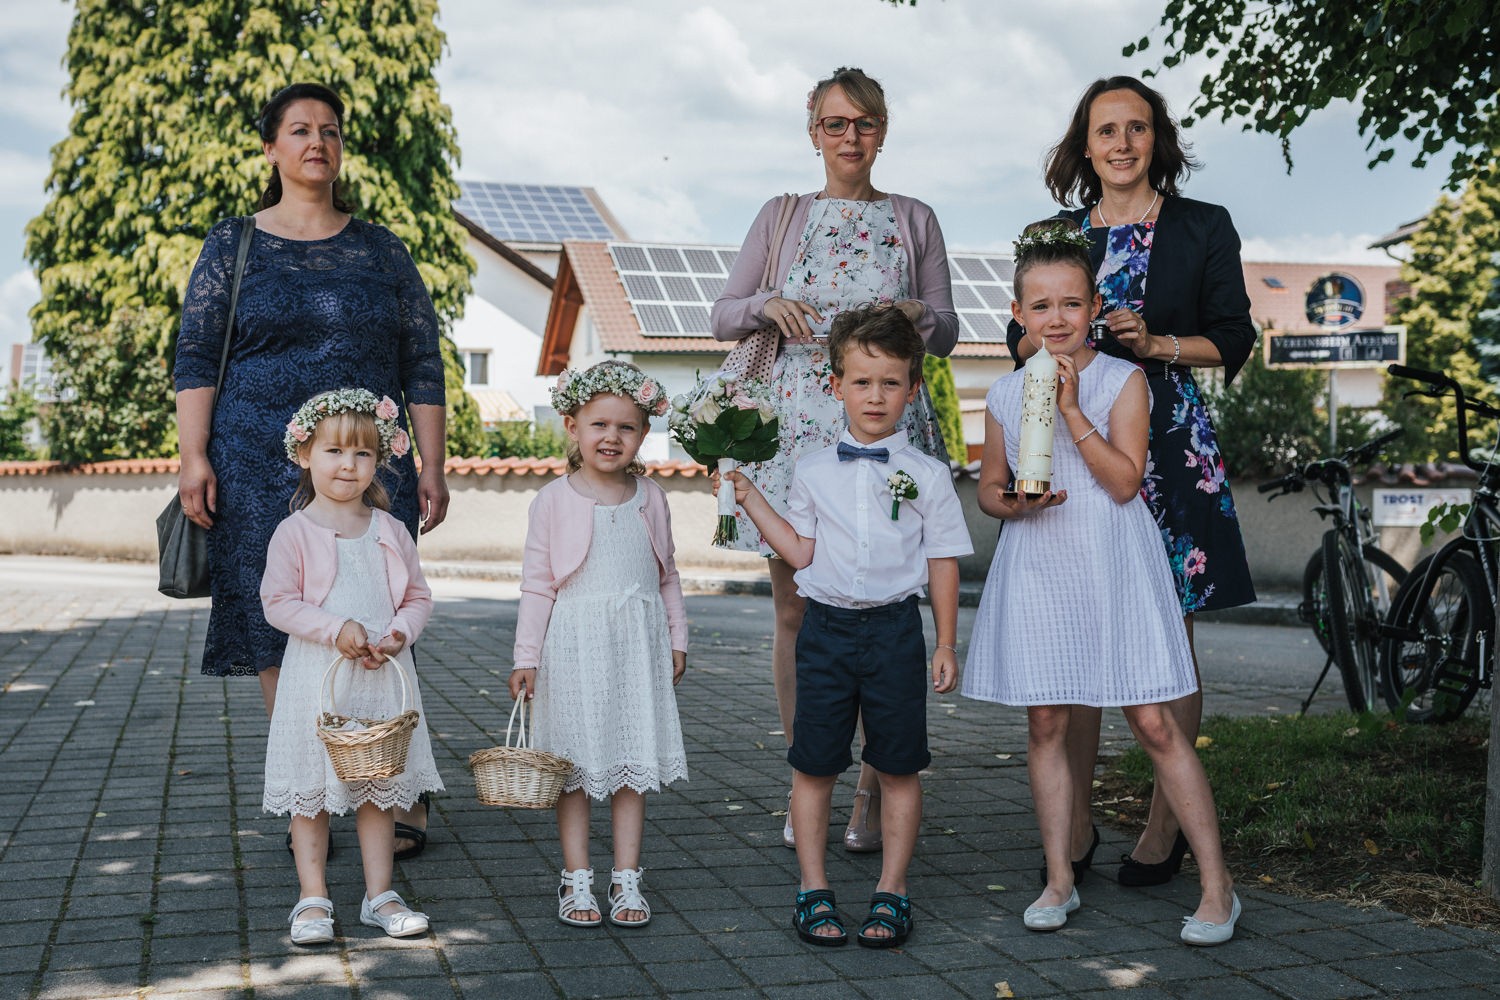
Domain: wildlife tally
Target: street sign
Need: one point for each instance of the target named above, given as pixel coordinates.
(1408, 508)
(1334, 348)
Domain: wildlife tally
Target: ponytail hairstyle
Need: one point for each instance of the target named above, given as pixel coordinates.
(268, 124)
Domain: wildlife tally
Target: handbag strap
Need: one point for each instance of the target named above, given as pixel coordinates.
(778, 237)
(247, 233)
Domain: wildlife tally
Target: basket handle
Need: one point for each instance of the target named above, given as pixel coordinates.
(519, 709)
(325, 691)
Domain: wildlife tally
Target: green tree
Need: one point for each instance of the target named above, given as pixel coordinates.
(1269, 421)
(1453, 273)
(523, 439)
(17, 412)
(1428, 70)
(162, 144)
(938, 374)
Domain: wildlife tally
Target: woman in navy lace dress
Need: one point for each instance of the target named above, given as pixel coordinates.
(1169, 273)
(326, 301)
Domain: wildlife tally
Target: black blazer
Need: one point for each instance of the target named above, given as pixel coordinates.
(1195, 284)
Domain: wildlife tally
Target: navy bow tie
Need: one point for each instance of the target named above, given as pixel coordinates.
(849, 452)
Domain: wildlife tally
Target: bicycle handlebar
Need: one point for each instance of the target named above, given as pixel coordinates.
(1445, 383)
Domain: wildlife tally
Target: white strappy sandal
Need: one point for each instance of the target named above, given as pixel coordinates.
(575, 895)
(628, 898)
(405, 922)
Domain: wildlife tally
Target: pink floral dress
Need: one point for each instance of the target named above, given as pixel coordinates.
(851, 254)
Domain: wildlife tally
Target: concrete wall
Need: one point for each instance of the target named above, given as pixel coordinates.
(113, 516)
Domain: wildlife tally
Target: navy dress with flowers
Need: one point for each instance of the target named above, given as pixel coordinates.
(313, 315)
(1185, 486)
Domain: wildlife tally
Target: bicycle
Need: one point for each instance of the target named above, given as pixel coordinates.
(1345, 605)
(1436, 654)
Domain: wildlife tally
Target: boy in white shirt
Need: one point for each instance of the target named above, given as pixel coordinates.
(870, 522)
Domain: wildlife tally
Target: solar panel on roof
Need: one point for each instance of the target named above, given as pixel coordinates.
(532, 213)
(671, 288)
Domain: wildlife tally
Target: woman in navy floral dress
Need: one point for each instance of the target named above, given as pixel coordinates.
(327, 301)
(1174, 297)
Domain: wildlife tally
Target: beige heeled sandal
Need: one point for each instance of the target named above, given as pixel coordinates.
(859, 838)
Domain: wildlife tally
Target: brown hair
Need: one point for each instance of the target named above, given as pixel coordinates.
(1040, 251)
(882, 327)
(864, 92)
(268, 123)
(354, 429)
(1069, 171)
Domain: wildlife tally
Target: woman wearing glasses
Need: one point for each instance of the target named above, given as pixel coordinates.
(847, 245)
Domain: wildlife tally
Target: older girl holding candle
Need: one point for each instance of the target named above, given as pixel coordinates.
(1079, 607)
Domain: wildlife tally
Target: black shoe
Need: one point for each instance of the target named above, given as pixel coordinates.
(1136, 873)
(417, 835)
(1080, 866)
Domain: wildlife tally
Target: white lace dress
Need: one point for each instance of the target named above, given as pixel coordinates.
(604, 696)
(299, 775)
(1079, 607)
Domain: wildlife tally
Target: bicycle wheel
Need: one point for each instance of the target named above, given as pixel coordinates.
(1352, 622)
(1441, 625)
(1314, 607)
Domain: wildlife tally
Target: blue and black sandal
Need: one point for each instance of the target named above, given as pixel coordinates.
(815, 908)
(890, 911)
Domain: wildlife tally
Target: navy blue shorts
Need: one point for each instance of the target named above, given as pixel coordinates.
(861, 661)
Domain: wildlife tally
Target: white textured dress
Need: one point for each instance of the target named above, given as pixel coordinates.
(604, 696)
(299, 775)
(1079, 606)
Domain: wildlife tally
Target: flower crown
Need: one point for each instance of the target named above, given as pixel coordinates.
(393, 440)
(1059, 234)
(574, 388)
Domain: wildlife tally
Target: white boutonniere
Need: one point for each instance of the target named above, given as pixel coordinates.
(903, 487)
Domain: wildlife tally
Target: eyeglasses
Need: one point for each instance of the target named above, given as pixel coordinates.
(836, 125)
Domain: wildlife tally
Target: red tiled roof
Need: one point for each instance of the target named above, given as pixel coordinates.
(1285, 308)
(453, 467)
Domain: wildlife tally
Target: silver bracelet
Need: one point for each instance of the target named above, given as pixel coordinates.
(944, 645)
(1091, 430)
(1176, 349)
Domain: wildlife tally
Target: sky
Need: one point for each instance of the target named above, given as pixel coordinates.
(686, 115)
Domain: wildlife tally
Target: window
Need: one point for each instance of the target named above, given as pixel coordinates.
(477, 367)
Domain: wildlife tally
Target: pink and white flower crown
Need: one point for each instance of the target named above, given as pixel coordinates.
(393, 440)
(574, 388)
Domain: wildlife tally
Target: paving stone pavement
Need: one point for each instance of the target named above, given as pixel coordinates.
(135, 860)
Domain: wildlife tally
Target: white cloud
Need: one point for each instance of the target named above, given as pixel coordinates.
(23, 179)
(1315, 248)
(18, 293)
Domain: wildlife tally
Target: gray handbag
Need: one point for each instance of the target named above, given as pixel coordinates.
(182, 546)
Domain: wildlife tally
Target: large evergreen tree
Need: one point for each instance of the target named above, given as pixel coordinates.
(162, 144)
(1453, 272)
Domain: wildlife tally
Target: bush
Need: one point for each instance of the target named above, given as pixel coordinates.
(16, 416)
(938, 374)
(523, 439)
(1269, 421)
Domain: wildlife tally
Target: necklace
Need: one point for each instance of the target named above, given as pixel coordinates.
(1099, 207)
(849, 214)
(598, 500)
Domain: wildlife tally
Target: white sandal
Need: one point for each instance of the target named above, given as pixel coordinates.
(628, 898)
(574, 895)
(405, 922)
(314, 930)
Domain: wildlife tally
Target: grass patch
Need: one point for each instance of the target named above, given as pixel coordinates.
(1359, 808)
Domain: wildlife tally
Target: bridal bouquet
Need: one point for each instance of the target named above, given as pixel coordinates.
(724, 421)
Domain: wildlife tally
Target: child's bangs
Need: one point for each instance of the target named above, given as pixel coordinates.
(349, 430)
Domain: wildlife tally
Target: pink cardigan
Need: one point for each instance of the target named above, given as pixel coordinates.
(300, 566)
(559, 528)
(740, 310)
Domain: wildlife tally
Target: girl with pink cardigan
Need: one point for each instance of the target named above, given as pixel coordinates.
(601, 636)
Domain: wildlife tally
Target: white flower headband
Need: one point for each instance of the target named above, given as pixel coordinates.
(574, 388)
(393, 440)
(1058, 235)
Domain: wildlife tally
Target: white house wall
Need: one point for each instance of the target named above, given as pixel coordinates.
(505, 315)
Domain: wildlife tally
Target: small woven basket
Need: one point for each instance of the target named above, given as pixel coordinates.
(376, 751)
(516, 775)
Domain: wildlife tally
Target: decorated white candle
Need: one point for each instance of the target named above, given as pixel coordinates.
(1038, 417)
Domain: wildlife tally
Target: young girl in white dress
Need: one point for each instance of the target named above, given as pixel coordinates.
(1079, 606)
(343, 581)
(601, 635)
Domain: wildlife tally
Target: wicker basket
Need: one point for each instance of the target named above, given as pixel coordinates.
(376, 751)
(516, 775)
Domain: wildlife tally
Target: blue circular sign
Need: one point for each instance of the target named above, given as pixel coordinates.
(1335, 301)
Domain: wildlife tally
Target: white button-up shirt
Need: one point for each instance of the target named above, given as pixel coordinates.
(861, 556)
